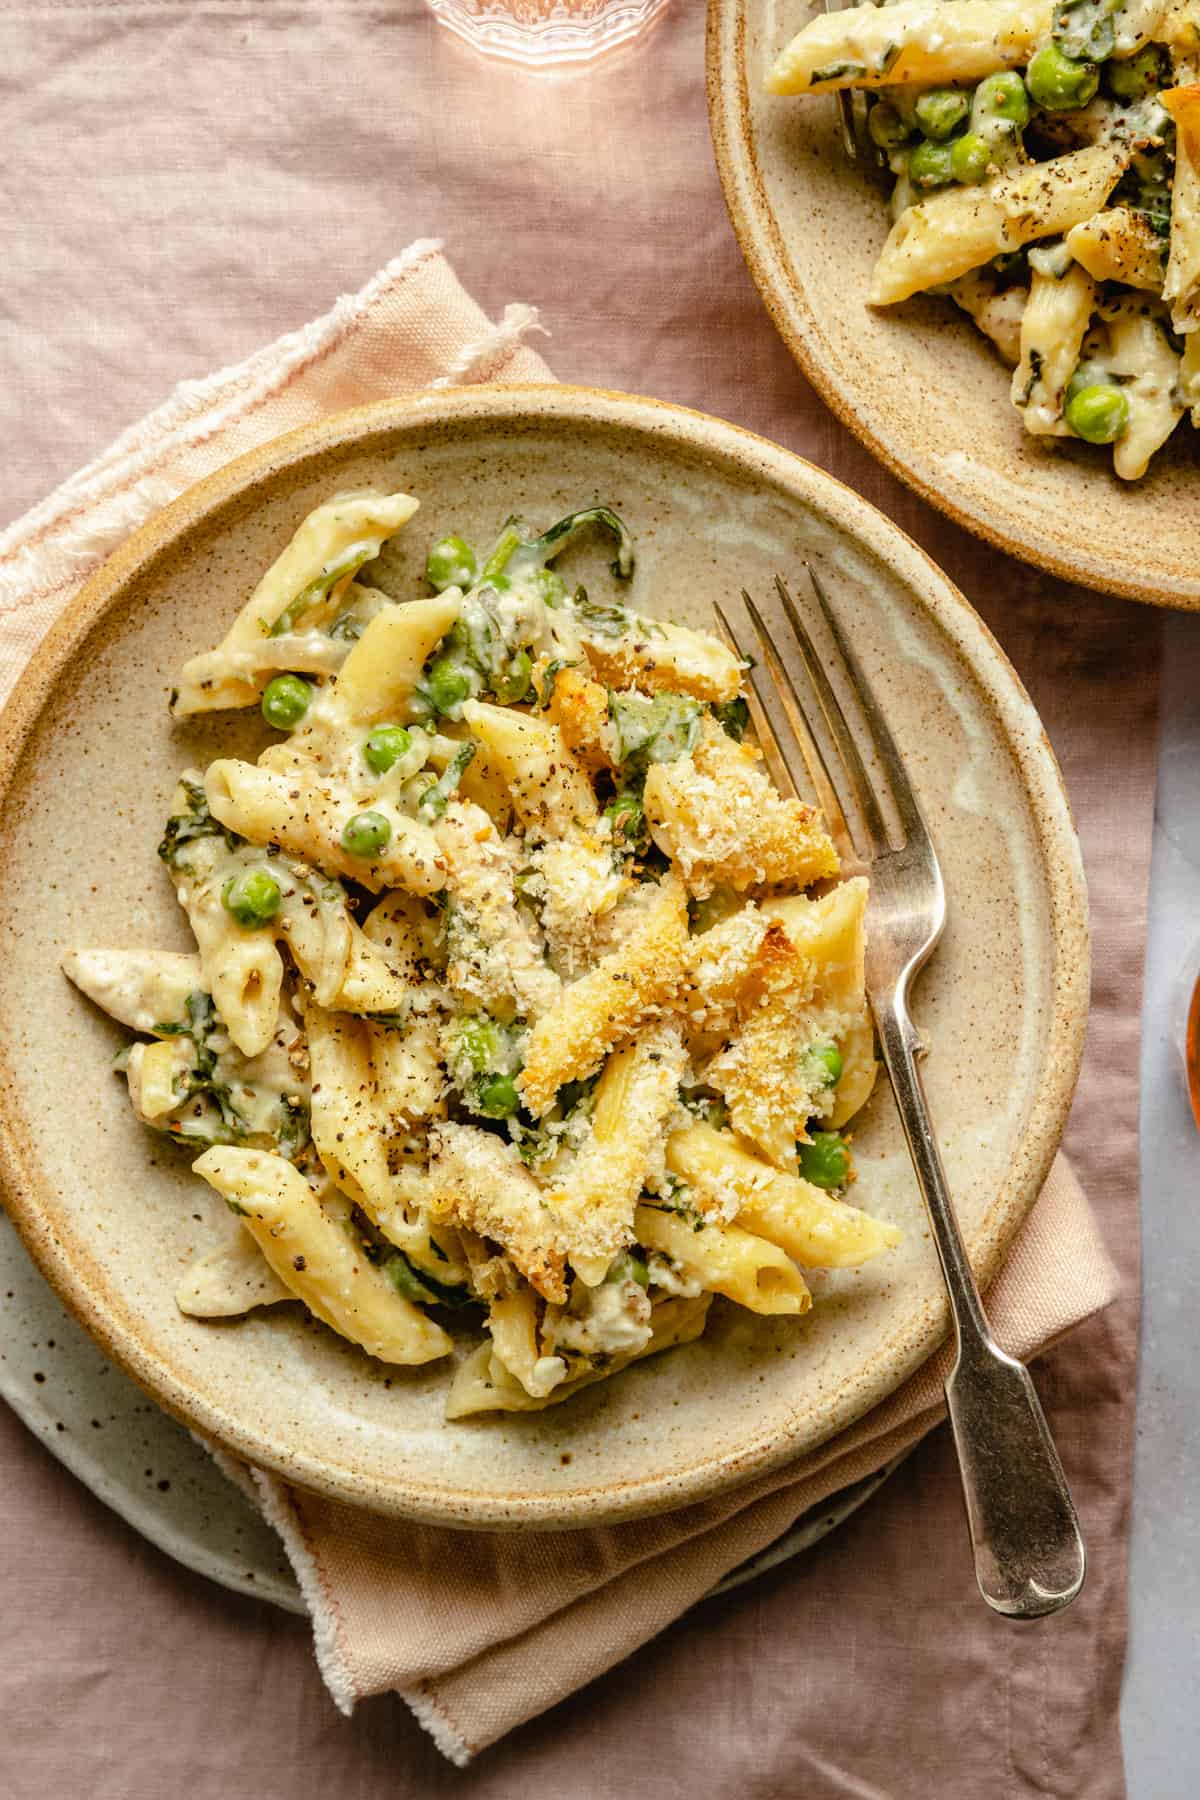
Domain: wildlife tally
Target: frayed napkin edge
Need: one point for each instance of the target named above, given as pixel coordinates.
(276, 1505)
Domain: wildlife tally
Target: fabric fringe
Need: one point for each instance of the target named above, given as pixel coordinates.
(440, 1730)
(272, 1497)
(278, 1511)
(473, 360)
(83, 547)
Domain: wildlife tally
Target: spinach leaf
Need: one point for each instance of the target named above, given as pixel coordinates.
(414, 1284)
(843, 71)
(293, 1129)
(433, 802)
(554, 541)
(603, 621)
(656, 730)
(202, 1022)
(348, 563)
(196, 822)
(348, 627)
(733, 716)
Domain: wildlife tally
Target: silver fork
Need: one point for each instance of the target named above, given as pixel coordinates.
(1029, 1554)
(845, 102)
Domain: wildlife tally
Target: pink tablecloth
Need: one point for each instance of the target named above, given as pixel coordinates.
(183, 183)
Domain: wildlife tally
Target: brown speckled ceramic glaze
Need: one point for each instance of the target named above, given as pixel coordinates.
(917, 382)
(88, 758)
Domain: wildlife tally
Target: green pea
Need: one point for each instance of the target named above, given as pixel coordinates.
(550, 587)
(513, 685)
(498, 1097)
(448, 683)
(251, 897)
(886, 127)
(940, 112)
(451, 563)
(1060, 83)
(970, 158)
(366, 833)
(385, 745)
(929, 165)
(826, 1160)
(285, 701)
(1098, 414)
(829, 1058)
(481, 1042)
(1135, 76)
(627, 818)
(1002, 96)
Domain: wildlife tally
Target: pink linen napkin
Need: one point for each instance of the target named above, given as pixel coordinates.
(481, 1631)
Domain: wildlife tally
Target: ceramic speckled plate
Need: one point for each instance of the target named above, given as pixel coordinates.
(921, 387)
(87, 765)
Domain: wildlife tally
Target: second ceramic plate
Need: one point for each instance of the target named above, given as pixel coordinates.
(917, 382)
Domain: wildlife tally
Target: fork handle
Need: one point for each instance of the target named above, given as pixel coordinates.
(1029, 1554)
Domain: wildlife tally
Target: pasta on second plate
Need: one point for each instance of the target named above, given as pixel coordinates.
(508, 991)
(1047, 165)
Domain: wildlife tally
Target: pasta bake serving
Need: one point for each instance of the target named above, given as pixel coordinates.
(1047, 164)
(509, 1004)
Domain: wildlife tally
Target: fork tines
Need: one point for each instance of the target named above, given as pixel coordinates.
(874, 838)
(845, 103)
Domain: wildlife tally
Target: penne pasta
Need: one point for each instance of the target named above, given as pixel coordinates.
(479, 1182)
(1189, 374)
(665, 658)
(726, 1259)
(1181, 284)
(571, 1040)
(912, 41)
(1119, 244)
(141, 988)
(513, 1323)
(480, 1386)
(303, 586)
(312, 822)
(599, 1189)
(955, 231)
(813, 1229)
(1053, 327)
(550, 790)
(715, 814)
(229, 1281)
(381, 673)
(1143, 361)
(478, 973)
(318, 1260)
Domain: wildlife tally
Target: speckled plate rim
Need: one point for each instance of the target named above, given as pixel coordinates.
(29, 1197)
(766, 255)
